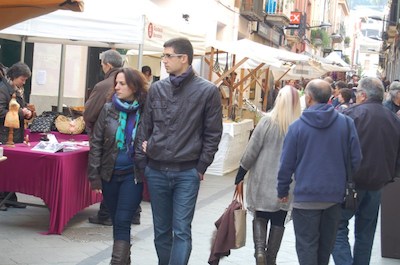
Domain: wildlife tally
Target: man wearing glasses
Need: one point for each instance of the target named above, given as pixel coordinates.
(179, 133)
(379, 132)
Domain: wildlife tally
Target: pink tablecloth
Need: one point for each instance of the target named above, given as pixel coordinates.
(58, 178)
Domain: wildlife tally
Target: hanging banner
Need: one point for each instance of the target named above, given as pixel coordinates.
(157, 34)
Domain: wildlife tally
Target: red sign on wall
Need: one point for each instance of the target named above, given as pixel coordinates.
(295, 18)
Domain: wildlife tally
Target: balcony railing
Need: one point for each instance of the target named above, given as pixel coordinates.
(275, 13)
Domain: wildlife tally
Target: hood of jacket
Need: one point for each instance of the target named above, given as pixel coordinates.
(319, 115)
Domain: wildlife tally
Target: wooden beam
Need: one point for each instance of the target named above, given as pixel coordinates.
(248, 75)
(264, 104)
(234, 67)
(211, 64)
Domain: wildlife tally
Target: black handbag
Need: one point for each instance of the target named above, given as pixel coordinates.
(44, 122)
(350, 197)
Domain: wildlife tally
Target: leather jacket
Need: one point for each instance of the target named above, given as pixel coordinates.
(182, 125)
(99, 95)
(103, 148)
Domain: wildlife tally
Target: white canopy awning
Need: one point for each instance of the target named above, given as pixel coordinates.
(115, 24)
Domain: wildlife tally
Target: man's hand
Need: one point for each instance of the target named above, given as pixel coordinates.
(201, 176)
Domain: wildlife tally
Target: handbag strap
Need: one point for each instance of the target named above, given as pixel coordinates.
(238, 194)
(349, 173)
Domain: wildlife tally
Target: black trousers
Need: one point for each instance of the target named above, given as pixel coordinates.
(12, 198)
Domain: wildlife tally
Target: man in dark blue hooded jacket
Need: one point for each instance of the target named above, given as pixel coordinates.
(315, 151)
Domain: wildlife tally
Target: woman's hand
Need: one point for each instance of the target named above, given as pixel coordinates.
(27, 113)
(283, 200)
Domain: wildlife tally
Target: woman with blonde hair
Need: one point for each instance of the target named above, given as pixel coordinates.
(261, 159)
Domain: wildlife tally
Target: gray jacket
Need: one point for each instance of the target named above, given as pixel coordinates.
(182, 125)
(261, 159)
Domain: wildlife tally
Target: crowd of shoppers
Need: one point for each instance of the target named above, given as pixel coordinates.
(167, 133)
(312, 181)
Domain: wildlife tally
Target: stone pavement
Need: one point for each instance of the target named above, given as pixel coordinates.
(82, 243)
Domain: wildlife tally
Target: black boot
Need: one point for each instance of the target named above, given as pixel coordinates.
(102, 217)
(259, 237)
(121, 253)
(274, 243)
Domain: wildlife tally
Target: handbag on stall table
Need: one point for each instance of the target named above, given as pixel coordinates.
(69, 125)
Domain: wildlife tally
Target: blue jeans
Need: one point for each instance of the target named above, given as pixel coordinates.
(173, 198)
(366, 217)
(315, 232)
(122, 196)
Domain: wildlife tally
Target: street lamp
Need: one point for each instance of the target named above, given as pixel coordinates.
(383, 19)
(322, 25)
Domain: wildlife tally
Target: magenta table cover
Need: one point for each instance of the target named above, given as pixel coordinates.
(60, 179)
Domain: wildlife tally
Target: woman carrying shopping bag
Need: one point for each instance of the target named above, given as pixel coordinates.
(261, 159)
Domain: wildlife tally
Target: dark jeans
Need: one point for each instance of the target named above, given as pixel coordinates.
(366, 217)
(104, 214)
(315, 232)
(173, 198)
(122, 197)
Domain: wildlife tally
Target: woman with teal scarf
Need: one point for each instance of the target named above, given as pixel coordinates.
(111, 164)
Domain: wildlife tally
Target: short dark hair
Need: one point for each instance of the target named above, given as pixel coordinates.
(319, 90)
(181, 46)
(19, 69)
(341, 84)
(146, 69)
(346, 94)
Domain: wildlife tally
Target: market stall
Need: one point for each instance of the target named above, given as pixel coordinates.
(235, 137)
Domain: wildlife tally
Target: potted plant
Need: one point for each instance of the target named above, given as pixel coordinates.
(347, 41)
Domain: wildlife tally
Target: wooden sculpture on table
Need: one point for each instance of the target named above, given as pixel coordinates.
(12, 119)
